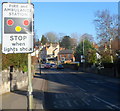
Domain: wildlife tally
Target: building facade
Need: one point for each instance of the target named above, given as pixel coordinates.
(49, 51)
(66, 56)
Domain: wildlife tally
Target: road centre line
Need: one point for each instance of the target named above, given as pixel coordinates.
(106, 102)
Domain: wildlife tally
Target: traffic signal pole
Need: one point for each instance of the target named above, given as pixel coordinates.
(30, 89)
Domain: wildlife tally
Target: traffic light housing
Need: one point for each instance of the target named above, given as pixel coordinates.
(17, 25)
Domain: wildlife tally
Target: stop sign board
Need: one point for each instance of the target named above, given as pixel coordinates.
(17, 28)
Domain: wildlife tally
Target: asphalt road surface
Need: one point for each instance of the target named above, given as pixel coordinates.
(69, 90)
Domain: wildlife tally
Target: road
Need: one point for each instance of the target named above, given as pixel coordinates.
(76, 90)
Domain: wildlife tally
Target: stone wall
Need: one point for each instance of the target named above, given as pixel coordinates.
(13, 80)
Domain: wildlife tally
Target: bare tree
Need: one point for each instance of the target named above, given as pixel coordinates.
(76, 37)
(51, 37)
(86, 37)
(60, 36)
(106, 25)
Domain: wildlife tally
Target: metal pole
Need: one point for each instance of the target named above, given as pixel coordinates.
(83, 56)
(40, 60)
(30, 90)
(30, 96)
(83, 47)
(111, 52)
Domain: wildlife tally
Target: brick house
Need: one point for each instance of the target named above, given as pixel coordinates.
(66, 56)
(115, 44)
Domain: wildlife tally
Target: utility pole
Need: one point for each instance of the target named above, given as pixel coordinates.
(83, 56)
(30, 89)
(111, 51)
(83, 46)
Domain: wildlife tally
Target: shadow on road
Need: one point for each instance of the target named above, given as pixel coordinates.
(70, 90)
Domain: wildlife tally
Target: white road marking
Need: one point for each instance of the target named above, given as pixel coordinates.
(74, 101)
(83, 89)
(69, 104)
(96, 99)
(80, 88)
(85, 102)
(109, 107)
(87, 94)
(107, 102)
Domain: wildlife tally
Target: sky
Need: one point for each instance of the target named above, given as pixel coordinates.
(68, 17)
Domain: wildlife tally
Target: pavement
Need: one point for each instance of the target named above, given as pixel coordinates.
(19, 100)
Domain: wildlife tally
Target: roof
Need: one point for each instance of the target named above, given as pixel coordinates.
(67, 51)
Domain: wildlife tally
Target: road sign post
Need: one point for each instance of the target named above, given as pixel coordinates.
(30, 80)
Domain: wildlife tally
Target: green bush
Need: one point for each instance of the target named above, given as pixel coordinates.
(18, 61)
(25, 68)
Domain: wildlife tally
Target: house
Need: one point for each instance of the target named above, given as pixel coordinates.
(49, 51)
(115, 44)
(66, 56)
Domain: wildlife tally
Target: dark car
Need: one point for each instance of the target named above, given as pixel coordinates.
(53, 65)
(60, 66)
(47, 65)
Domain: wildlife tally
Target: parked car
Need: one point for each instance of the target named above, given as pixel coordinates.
(60, 66)
(47, 65)
(53, 65)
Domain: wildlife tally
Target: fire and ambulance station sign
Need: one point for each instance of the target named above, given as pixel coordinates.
(17, 28)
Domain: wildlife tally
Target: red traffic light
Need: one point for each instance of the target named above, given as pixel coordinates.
(26, 22)
(10, 22)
